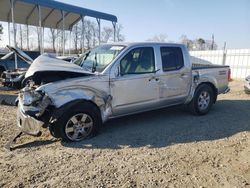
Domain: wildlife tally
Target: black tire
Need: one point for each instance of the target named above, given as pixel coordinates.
(1, 72)
(92, 113)
(198, 105)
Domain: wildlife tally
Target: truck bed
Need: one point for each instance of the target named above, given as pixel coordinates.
(196, 66)
(220, 73)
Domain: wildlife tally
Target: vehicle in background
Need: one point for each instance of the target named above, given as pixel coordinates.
(113, 80)
(2, 54)
(247, 85)
(7, 62)
(10, 76)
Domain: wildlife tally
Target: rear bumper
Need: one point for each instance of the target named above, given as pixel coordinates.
(28, 124)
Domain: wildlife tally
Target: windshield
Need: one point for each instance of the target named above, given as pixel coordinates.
(99, 58)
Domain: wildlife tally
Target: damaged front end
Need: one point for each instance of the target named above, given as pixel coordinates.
(31, 113)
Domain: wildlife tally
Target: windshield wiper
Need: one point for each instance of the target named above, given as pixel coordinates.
(94, 63)
(85, 57)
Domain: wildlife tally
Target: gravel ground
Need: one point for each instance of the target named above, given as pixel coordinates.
(163, 148)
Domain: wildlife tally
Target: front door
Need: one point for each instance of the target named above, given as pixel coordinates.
(136, 88)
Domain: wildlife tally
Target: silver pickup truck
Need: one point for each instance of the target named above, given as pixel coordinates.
(113, 80)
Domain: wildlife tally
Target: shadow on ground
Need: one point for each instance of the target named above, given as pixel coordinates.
(161, 128)
(169, 126)
(36, 143)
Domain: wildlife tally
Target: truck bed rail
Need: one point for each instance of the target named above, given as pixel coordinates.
(196, 66)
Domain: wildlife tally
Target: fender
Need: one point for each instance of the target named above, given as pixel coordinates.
(70, 96)
(197, 81)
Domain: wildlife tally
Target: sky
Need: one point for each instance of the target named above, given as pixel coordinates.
(228, 20)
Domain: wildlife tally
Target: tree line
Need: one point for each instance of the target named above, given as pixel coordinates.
(192, 44)
(55, 38)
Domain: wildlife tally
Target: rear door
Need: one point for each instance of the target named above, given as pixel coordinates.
(175, 76)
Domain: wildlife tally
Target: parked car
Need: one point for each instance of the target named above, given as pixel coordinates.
(113, 80)
(12, 77)
(247, 85)
(7, 62)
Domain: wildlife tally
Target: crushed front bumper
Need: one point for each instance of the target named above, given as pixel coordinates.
(28, 124)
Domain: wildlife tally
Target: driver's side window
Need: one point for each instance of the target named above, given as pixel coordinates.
(138, 61)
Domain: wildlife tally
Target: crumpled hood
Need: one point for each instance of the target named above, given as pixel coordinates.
(46, 63)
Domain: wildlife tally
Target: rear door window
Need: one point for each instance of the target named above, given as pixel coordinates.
(172, 58)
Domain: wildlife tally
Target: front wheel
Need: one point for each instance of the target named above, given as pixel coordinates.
(79, 123)
(202, 100)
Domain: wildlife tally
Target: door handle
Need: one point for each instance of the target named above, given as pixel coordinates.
(184, 74)
(154, 78)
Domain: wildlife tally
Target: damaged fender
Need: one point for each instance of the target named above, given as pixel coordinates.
(197, 80)
(67, 97)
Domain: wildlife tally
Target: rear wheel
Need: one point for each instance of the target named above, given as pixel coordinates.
(202, 100)
(81, 122)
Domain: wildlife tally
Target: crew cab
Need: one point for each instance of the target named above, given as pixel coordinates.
(74, 99)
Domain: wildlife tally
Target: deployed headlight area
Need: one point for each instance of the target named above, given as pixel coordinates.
(33, 102)
(30, 96)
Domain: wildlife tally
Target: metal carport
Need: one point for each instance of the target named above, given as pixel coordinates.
(48, 13)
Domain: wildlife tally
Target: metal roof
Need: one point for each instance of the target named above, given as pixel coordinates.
(26, 12)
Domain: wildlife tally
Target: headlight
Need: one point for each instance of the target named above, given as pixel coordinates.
(31, 96)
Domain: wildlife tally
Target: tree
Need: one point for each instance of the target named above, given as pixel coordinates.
(210, 45)
(200, 44)
(89, 32)
(76, 35)
(53, 36)
(106, 34)
(38, 32)
(20, 36)
(189, 43)
(119, 36)
(1, 30)
(158, 38)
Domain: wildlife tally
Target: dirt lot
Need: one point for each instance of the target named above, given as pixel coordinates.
(164, 148)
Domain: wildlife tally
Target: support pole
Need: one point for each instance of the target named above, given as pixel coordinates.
(63, 32)
(14, 28)
(57, 42)
(99, 29)
(27, 30)
(114, 26)
(40, 28)
(9, 32)
(43, 39)
(83, 34)
(70, 33)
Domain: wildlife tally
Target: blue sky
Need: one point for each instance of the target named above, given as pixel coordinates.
(228, 20)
